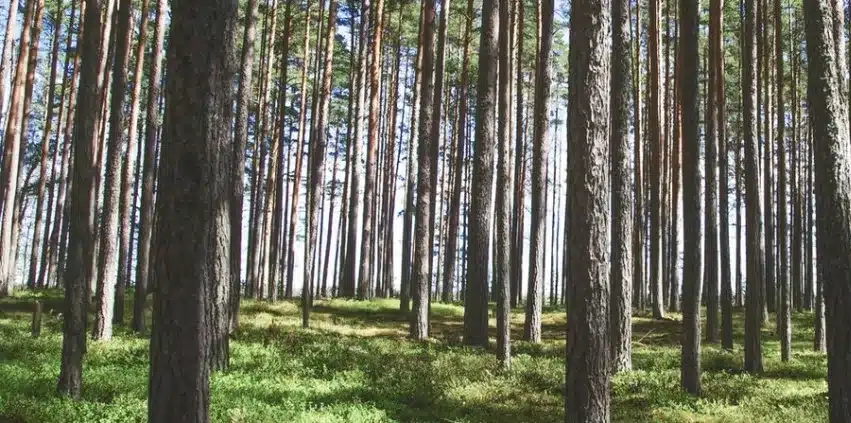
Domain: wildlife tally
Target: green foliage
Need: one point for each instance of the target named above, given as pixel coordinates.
(355, 365)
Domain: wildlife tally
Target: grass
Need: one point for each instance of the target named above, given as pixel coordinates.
(355, 365)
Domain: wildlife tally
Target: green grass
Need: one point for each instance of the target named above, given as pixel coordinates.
(355, 365)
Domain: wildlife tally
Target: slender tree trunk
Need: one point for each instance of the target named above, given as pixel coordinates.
(621, 179)
(127, 204)
(6, 60)
(753, 208)
(501, 264)
(767, 166)
(534, 302)
(407, 232)
(81, 219)
(710, 251)
(519, 166)
(152, 126)
(299, 159)
(38, 243)
(638, 151)
(20, 96)
(420, 276)
(243, 101)
(476, 297)
(692, 233)
(784, 329)
(655, 170)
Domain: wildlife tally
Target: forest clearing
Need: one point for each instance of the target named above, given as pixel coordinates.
(355, 365)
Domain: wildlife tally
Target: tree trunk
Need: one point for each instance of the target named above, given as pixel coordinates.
(534, 299)
(621, 271)
(784, 329)
(108, 261)
(710, 251)
(655, 170)
(476, 298)
(420, 276)
(299, 159)
(38, 241)
(517, 224)
(15, 126)
(81, 218)
(128, 204)
(192, 254)
(826, 70)
(692, 233)
(6, 60)
(348, 282)
(587, 395)
(317, 160)
(753, 207)
(146, 219)
(243, 101)
(407, 232)
(365, 282)
(638, 151)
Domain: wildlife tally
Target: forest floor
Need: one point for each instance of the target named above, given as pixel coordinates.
(356, 365)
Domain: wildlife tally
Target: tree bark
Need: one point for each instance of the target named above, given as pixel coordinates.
(655, 170)
(317, 161)
(832, 157)
(81, 218)
(587, 396)
(149, 166)
(192, 253)
(108, 261)
(420, 276)
(622, 260)
(39, 243)
(476, 298)
(127, 205)
(753, 207)
(692, 233)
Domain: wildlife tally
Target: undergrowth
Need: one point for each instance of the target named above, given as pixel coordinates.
(355, 365)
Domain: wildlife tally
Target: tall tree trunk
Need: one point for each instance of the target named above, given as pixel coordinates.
(81, 218)
(710, 251)
(317, 160)
(676, 182)
(54, 213)
(8, 45)
(20, 96)
(299, 159)
(501, 263)
(476, 298)
(146, 218)
(365, 282)
(108, 261)
(450, 259)
(420, 276)
(128, 203)
(348, 281)
(767, 166)
(724, 248)
(534, 301)
(192, 254)
(517, 224)
(753, 207)
(692, 233)
(655, 170)
(407, 231)
(621, 179)
(784, 329)
(638, 151)
(243, 101)
(38, 243)
(825, 94)
(587, 396)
